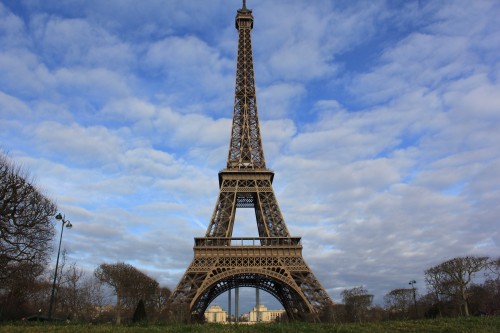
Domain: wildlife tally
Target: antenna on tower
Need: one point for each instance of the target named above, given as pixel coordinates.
(244, 4)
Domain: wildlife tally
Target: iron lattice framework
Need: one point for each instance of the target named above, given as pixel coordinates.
(273, 261)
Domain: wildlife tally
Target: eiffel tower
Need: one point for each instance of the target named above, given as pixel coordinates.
(273, 261)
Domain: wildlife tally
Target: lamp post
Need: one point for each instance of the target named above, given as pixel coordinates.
(68, 225)
(412, 283)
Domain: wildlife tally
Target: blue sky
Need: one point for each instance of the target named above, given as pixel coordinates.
(380, 119)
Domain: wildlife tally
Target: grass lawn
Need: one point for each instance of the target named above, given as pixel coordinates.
(443, 325)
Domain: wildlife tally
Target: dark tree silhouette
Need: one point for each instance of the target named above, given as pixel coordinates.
(129, 284)
(26, 228)
(357, 301)
(140, 313)
(452, 278)
(398, 302)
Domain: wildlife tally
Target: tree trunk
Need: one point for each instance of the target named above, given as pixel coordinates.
(464, 299)
(118, 308)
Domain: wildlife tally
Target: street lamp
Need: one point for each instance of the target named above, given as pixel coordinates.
(412, 283)
(68, 225)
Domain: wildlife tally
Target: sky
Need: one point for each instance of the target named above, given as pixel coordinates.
(379, 118)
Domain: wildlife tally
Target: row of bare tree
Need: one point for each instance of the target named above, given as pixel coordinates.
(111, 294)
(134, 290)
(458, 287)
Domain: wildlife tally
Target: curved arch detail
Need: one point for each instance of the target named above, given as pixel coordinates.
(279, 284)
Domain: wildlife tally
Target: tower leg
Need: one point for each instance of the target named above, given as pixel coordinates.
(237, 304)
(229, 305)
(257, 302)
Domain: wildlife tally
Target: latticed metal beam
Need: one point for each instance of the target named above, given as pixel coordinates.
(245, 148)
(247, 190)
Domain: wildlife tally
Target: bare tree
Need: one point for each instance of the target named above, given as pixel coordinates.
(26, 228)
(398, 302)
(129, 284)
(162, 299)
(79, 297)
(96, 297)
(357, 301)
(451, 278)
(20, 291)
(72, 296)
(494, 269)
(484, 299)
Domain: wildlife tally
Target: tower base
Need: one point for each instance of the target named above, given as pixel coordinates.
(272, 264)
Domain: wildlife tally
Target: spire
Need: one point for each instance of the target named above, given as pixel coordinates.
(245, 149)
(244, 17)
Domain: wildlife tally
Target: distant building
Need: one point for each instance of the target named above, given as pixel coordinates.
(215, 314)
(262, 314)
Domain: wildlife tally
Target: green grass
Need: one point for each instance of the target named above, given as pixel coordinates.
(443, 325)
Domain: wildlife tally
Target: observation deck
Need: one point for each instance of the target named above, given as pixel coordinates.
(247, 246)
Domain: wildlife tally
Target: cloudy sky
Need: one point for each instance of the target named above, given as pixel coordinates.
(381, 120)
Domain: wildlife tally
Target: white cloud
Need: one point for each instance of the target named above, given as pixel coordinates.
(86, 146)
(301, 42)
(22, 75)
(130, 108)
(12, 30)
(189, 62)
(13, 107)
(93, 84)
(279, 100)
(420, 60)
(474, 98)
(275, 136)
(68, 42)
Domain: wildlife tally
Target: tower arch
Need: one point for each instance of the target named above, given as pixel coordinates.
(273, 282)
